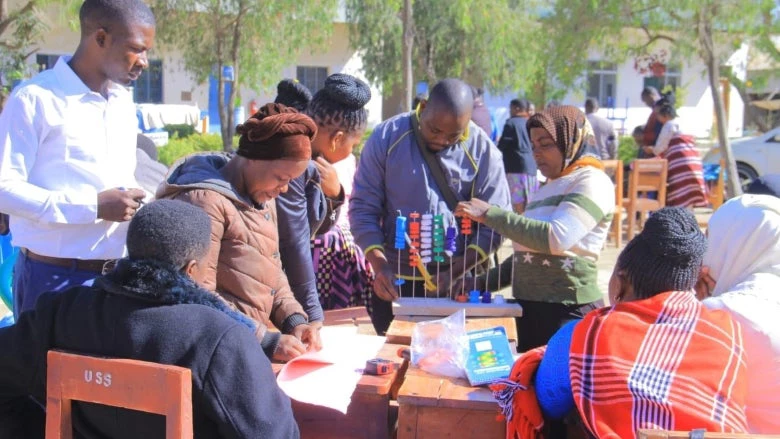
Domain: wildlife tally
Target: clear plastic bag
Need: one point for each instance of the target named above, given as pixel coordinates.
(440, 346)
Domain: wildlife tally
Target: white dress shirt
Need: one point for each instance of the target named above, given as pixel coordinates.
(60, 145)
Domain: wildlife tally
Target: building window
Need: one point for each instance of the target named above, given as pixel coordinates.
(670, 78)
(602, 82)
(45, 62)
(312, 77)
(148, 88)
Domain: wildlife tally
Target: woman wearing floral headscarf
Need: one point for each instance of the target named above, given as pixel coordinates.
(558, 239)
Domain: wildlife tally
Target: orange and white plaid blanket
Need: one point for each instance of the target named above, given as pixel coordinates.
(660, 363)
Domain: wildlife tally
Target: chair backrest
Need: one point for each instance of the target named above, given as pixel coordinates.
(717, 194)
(663, 434)
(131, 384)
(614, 168)
(648, 175)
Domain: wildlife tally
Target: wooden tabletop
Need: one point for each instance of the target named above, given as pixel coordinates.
(424, 389)
(375, 384)
(400, 331)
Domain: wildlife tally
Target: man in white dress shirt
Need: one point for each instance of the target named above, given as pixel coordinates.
(67, 153)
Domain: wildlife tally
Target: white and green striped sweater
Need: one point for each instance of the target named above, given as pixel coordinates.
(559, 237)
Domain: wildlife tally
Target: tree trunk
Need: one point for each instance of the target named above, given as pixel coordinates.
(752, 113)
(408, 45)
(708, 52)
(230, 129)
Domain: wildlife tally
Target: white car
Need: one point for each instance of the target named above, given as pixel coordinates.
(755, 156)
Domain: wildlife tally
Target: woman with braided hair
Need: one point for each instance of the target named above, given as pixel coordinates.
(336, 274)
(238, 192)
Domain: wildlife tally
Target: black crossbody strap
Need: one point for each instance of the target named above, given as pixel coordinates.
(433, 165)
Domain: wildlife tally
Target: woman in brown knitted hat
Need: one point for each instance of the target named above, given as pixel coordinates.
(238, 192)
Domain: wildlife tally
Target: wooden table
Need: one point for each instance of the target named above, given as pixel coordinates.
(368, 415)
(400, 331)
(431, 406)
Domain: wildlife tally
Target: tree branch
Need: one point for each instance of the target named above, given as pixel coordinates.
(10, 47)
(12, 17)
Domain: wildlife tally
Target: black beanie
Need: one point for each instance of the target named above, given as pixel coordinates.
(667, 254)
(169, 231)
(292, 93)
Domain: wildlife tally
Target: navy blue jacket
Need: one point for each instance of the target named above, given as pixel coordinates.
(303, 212)
(147, 312)
(515, 145)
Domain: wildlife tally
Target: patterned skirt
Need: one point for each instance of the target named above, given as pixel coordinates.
(344, 277)
(685, 180)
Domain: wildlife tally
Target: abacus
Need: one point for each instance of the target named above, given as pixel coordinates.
(430, 241)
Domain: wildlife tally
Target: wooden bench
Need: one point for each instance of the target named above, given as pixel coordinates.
(131, 384)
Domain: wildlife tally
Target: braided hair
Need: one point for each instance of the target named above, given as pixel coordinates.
(667, 254)
(341, 103)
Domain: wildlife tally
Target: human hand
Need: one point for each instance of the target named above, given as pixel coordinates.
(309, 335)
(328, 178)
(384, 281)
(466, 283)
(118, 204)
(474, 209)
(649, 150)
(705, 284)
(288, 348)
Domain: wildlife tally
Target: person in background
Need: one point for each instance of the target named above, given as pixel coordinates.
(149, 173)
(310, 205)
(653, 126)
(393, 175)
(685, 178)
(656, 359)
(559, 237)
(515, 146)
(603, 130)
(741, 276)
(531, 109)
(149, 308)
(68, 153)
(480, 115)
(638, 135)
(552, 104)
(292, 93)
(238, 191)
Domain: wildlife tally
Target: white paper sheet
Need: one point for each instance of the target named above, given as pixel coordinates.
(328, 378)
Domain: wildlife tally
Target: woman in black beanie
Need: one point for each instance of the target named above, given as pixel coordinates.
(311, 204)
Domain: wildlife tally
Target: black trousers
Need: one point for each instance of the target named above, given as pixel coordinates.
(542, 319)
(382, 311)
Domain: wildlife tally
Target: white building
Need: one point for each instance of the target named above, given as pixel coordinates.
(166, 81)
(618, 87)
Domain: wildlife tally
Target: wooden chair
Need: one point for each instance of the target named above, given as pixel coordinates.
(132, 384)
(717, 194)
(647, 175)
(663, 434)
(614, 168)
